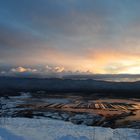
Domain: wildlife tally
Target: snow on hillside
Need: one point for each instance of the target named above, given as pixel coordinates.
(48, 129)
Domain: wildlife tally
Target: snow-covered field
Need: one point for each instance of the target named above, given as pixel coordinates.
(49, 129)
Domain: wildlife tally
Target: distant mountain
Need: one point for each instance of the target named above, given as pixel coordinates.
(68, 85)
(106, 77)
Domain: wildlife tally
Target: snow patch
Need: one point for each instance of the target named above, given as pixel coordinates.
(49, 129)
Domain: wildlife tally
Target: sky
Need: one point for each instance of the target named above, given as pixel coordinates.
(69, 37)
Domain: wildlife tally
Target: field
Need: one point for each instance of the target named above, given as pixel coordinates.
(90, 110)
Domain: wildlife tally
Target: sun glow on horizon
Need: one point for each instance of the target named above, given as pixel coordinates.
(70, 37)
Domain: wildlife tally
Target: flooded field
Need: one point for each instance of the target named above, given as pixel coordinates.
(77, 109)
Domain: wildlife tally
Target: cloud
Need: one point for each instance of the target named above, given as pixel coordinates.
(59, 69)
(97, 36)
(41, 72)
(21, 72)
(22, 69)
(56, 69)
(112, 61)
(3, 72)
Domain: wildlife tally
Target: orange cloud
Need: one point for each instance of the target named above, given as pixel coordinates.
(22, 69)
(115, 61)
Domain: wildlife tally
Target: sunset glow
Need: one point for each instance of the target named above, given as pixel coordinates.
(70, 36)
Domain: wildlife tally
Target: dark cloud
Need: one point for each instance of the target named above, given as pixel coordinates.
(44, 32)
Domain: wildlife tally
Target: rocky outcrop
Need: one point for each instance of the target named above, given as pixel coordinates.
(86, 119)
